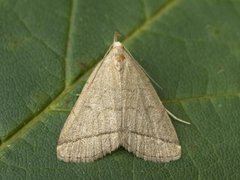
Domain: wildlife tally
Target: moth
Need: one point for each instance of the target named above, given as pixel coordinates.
(118, 106)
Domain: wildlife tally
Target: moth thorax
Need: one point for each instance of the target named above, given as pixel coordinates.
(119, 60)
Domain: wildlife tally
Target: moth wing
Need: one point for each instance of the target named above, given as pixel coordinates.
(149, 133)
(91, 129)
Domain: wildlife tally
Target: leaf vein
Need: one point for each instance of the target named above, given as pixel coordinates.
(69, 40)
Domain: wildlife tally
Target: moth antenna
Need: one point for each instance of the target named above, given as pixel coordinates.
(144, 70)
(176, 118)
(171, 114)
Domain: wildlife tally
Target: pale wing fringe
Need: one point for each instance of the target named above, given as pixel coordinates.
(154, 149)
(88, 149)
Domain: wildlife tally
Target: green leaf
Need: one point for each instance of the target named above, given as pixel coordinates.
(49, 48)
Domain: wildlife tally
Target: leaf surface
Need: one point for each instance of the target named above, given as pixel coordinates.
(49, 48)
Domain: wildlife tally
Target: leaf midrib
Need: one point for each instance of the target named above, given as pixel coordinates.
(68, 41)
